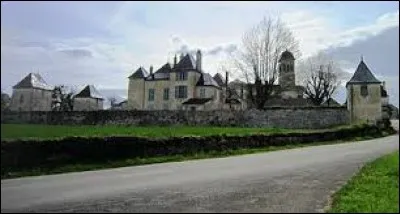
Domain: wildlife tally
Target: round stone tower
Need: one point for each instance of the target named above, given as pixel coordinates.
(286, 70)
(136, 89)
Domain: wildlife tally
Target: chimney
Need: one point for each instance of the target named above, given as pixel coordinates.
(226, 79)
(175, 60)
(198, 60)
(384, 85)
(151, 70)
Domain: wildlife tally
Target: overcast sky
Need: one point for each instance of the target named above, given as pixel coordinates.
(102, 43)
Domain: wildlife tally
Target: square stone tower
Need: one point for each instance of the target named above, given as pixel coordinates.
(364, 96)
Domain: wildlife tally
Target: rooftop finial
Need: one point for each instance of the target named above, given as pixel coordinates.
(362, 59)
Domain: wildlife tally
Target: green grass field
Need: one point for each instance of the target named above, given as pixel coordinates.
(23, 131)
(374, 189)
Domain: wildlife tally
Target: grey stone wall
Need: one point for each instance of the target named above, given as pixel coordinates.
(294, 118)
(31, 99)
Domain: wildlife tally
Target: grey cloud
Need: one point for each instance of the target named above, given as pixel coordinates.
(176, 40)
(219, 49)
(77, 53)
(184, 49)
(215, 51)
(231, 48)
(29, 44)
(222, 49)
(380, 53)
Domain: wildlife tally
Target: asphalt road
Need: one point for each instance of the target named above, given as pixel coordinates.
(296, 180)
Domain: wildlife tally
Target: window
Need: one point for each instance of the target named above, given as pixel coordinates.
(21, 99)
(166, 93)
(202, 92)
(364, 90)
(181, 75)
(151, 94)
(180, 91)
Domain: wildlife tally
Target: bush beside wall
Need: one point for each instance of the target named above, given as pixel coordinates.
(28, 154)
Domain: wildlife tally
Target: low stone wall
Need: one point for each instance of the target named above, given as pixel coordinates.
(294, 118)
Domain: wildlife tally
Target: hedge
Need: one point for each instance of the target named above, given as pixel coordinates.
(27, 154)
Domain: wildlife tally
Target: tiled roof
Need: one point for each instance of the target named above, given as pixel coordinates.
(197, 101)
(206, 80)
(363, 75)
(33, 80)
(139, 73)
(89, 92)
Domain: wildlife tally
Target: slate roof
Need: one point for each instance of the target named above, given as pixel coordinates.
(139, 73)
(206, 80)
(332, 102)
(219, 79)
(286, 55)
(161, 73)
(187, 62)
(196, 101)
(33, 80)
(363, 75)
(89, 92)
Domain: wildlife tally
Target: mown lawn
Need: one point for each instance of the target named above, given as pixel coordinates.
(23, 131)
(374, 189)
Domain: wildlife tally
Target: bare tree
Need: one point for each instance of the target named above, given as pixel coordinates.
(113, 101)
(258, 57)
(321, 78)
(62, 99)
(5, 101)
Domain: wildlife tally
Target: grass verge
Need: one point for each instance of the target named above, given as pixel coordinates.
(161, 159)
(374, 189)
(36, 131)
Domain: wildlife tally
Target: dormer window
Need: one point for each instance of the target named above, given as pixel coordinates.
(181, 76)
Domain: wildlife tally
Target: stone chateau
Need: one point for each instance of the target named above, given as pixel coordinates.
(184, 85)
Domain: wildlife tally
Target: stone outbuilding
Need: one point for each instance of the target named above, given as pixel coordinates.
(364, 95)
(31, 94)
(89, 99)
